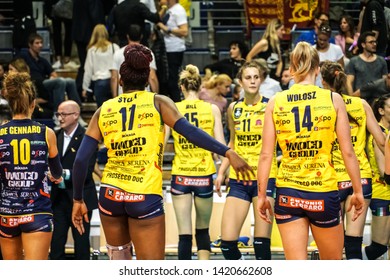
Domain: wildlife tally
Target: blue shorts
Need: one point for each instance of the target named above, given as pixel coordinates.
(345, 188)
(115, 202)
(322, 209)
(248, 192)
(380, 207)
(201, 186)
(11, 226)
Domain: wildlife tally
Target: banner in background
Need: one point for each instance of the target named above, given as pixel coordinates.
(291, 12)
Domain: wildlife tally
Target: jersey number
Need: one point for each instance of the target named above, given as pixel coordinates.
(306, 122)
(123, 111)
(21, 151)
(192, 118)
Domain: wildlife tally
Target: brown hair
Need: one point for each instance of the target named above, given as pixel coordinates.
(333, 74)
(135, 69)
(250, 64)
(19, 91)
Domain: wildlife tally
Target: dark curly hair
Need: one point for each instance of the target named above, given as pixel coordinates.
(135, 69)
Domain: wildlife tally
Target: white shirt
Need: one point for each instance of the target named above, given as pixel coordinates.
(97, 64)
(177, 17)
(269, 87)
(119, 57)
(67, 139)
(334, 53)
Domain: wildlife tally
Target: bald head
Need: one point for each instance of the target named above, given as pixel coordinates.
(68, 114)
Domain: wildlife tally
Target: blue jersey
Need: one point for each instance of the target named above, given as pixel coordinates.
(23, 168)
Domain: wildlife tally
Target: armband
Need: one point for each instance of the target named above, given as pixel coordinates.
(80, 166)
(55, 166)
(199, 137)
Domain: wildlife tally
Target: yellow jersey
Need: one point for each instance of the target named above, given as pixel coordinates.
(133, 132)
(190, 160)
(380, 190)
(248, 129)
(304, 117)
(356, 110)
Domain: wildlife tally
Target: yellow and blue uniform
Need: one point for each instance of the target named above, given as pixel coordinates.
(356, 110)
(192, 167)
(133, 133)
(380, 201)
(25, 204)
(304, 117)
(248, 128)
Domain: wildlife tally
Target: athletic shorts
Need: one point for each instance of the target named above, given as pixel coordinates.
(322, 209)
(201, 186)
(115, 202)
(12, 226)
(345, 188)
(380, 207)
(247, 192)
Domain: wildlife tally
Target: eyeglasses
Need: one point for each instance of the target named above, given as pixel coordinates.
(63, 115)
(371, 42)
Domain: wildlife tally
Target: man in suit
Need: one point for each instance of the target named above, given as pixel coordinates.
(68, 142)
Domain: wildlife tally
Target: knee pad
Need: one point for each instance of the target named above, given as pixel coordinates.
(119, 252)
(375, 250)
(353, 247)
(262, 248)
(185, 247)
(230, 250)
(202, 239)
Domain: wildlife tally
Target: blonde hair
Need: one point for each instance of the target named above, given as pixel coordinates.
(20, 65)
(304, 59)
(99, 38)
(271, 36)
(216, 80)
(19, 91)
(190, 78)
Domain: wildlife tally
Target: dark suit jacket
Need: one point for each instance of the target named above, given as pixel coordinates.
(67, 160)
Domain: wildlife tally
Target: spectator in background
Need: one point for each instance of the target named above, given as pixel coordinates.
(347, 37)
(3, 71)
(310, 36)
(367, 66)
(69, 138)
(43, 108)
(134, 36)
(23, 23)
(62, 48)
(268, 86)
(229, 66)
(100, 55)
(175, 28)
(130, 12)
(374, 20)
(41, 71)
(285, 79)
(269, 48)
(326, 50)
(86, 14)
(215, 89)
